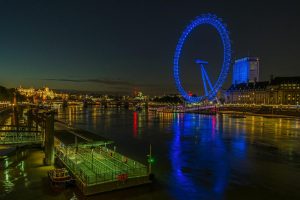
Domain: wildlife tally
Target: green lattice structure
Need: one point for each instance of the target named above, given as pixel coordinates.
(99, 165)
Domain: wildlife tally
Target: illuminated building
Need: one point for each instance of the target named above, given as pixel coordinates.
(285, 90)
(280, 90)
(246, 70)
(28, 92)
(248, 93)
(140, 97)
(44, 93)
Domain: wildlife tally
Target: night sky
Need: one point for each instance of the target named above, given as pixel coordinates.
(122, 46)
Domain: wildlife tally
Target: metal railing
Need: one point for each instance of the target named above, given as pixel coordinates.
(9, 137)
(99, 165)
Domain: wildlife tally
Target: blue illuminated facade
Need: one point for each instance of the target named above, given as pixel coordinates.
(245, 70)
(224, 34)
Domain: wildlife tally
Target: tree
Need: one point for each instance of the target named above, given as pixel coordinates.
(8, 94)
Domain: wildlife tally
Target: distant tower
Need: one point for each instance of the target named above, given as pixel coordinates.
(246, 70)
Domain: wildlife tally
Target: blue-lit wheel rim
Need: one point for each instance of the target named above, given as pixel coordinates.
(224, 34)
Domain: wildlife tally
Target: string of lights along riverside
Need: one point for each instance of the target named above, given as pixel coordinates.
(212, 89)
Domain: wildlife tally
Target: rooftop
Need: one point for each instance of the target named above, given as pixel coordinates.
(280, 80)
(249, 86)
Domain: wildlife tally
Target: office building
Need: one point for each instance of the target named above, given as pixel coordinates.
(246, 70)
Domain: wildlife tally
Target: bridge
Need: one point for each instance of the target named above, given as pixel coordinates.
(183, 109)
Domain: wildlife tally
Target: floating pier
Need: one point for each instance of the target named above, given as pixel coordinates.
(97, 168)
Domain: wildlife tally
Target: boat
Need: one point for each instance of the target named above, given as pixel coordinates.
(60, 177)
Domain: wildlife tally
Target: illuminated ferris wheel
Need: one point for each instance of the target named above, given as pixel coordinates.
(210, 90)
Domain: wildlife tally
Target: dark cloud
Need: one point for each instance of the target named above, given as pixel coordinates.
(101, 81)
(108, 82)
(118, 86)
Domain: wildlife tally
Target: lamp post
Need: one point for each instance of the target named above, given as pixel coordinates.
(150, 160)
(150, 157)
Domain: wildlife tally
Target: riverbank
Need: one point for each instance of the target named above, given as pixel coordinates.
(260, 110)
(259, 114)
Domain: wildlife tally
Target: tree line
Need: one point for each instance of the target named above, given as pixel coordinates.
(7, 94)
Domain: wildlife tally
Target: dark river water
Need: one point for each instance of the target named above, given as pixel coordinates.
(196, 156)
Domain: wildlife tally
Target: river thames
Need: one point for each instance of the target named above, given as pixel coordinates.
(196, 156)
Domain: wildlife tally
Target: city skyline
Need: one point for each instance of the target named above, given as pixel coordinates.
(122, 47)
(145, 99)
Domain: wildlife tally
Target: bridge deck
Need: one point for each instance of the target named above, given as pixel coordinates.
(183, 109)
(21, 137)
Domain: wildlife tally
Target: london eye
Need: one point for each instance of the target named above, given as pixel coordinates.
(210, 89)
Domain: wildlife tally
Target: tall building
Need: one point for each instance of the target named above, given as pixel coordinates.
(246, 70)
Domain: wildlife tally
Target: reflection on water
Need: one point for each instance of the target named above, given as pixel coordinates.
(195, 165)
(12, 169)
(197, 156)
(135, 124)
(208, 157)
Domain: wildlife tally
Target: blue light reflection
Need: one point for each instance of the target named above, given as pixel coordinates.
(200, 167)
